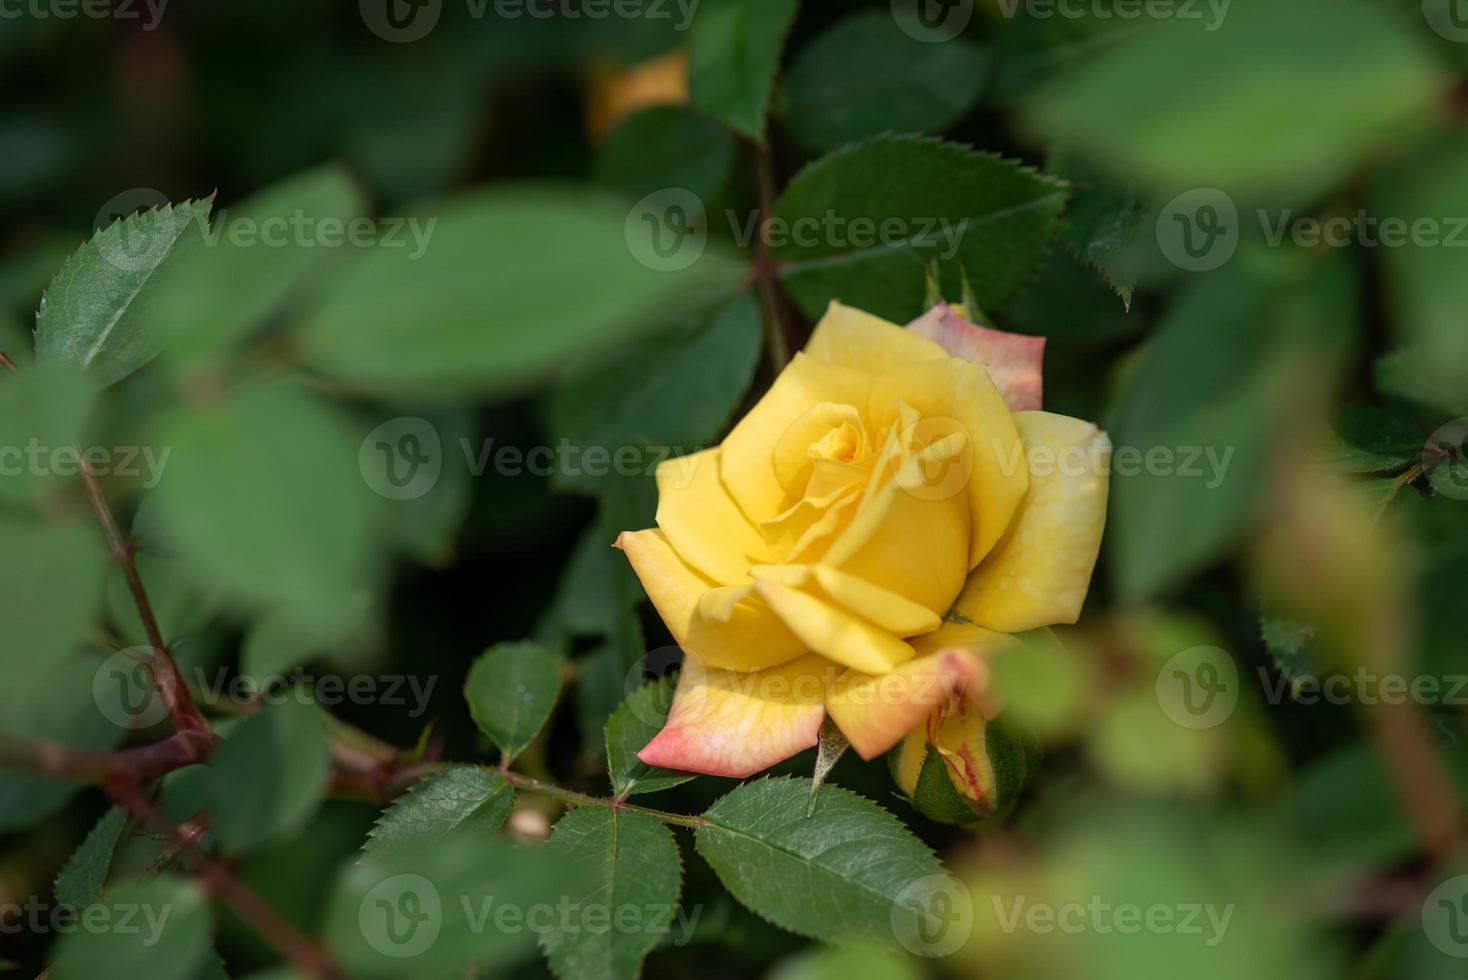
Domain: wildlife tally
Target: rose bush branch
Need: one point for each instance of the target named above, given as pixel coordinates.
(303, 954)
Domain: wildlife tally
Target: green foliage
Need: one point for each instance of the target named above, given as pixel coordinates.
(630, 728)
(438, 904)
(1214, 373)
(837, 875)
(225, 281)
(627, 898)
(161, 931)
(46, 407)
(50, 581)
(1374, 440)
(864, 76)
(96, 313)
(264, 496)
(672, 392)
(465, 796)
(1327, 82)
(945, 200)
(490, 277)
(666, 146)
(734, 55)
(511, 690)
(269, 775)
(80, 881)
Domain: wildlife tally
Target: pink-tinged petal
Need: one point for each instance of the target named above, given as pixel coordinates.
(728, 723)
(1014, 360)
(875, 712)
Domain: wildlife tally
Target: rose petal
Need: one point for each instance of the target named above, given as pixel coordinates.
(953, 394)
(1038, 574)
(875, 712)
(703, 523)
(1014, 360)
(856, 339)
(727, 627)
(724, 723)
(747, 458)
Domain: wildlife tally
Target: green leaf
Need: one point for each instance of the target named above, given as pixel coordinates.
(1285, 100)
(82, 878)
(1102, 225)
(264, 496)
(916, 198)
(269, 775)
(666, 146)
(434, 905)
(223, 282)
(157, 928)
(1206, 389)
(65, 703)
(630, 728)
(633, 869)
(96, 313)
(511, 690)
(43, 410)
(279, 643)
(467, 796)
(1373, 440)
(856, 963)
(734, 53)
(864, 75)
(1427, 202)
(672, 393)
(607, 671)
(839, 875)
(427, 526)
(510, 284)
(50, 587)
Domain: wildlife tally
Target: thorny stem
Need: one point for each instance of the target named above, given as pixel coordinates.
(302, 952)
(170, 683)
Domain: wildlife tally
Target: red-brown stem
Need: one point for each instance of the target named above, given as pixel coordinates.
(170, 683)
(303, 954)
(91, 766)
(8, 364)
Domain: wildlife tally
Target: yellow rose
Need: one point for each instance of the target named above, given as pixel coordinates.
(890, 511)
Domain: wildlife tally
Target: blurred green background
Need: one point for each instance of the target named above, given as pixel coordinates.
(1294, 390)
